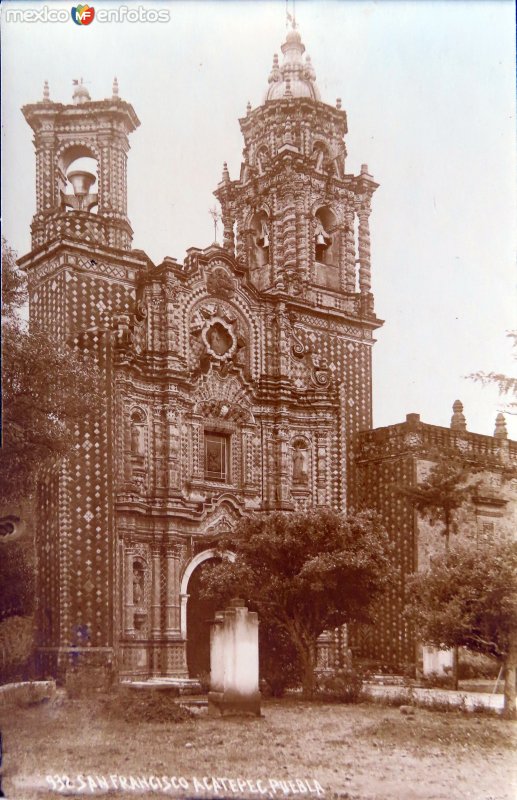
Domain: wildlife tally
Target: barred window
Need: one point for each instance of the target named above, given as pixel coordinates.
(217, 457)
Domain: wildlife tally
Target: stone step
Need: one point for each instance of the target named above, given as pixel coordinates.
(173, 686)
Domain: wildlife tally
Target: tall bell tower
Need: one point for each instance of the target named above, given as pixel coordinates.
(298, 223)
(82, 277)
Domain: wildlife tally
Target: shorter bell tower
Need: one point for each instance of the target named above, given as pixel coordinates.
(88, 204)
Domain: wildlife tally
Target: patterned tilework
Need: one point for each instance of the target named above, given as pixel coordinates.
(91, 553)
(391, 642)
(49, 566)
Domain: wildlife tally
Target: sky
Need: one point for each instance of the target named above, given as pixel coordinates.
(430, 96)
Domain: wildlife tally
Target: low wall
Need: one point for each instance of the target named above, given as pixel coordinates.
(26, 694)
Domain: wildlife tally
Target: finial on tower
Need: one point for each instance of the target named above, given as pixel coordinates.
(338, 103)
(214, 213)
(458, 421)
(248, 108)
(46, 93)
(290, 19)
(114, 89)
(226, 174)
(500, 431)
(81, 93)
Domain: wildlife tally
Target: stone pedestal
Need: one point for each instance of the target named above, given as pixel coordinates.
(435, 661)
(234, 678)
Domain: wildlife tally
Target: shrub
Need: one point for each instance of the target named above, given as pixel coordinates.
(436, 680)
(16, 648)
(279, 662)
(204, 680)
(140, 705)
(343, 686)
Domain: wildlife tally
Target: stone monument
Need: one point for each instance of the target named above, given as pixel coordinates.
(234, 683)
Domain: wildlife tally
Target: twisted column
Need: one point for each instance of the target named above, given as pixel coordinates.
(350, 252)
(365, 278)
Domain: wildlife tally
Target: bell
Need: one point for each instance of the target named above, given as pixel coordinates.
(266, 240)
(81, 181)
(320, 239)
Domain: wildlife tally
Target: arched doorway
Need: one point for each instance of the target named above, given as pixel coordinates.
(200, 613)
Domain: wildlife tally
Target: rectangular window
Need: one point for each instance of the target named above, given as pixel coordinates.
(217, 457)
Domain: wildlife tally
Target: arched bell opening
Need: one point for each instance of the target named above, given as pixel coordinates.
(260, 248)
(78, 179)
(325, 237)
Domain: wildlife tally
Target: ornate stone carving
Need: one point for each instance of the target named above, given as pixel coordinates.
(220, 284)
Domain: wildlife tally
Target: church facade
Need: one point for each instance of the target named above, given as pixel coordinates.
(237, 381)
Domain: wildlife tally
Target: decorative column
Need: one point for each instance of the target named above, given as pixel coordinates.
(288, 261)
(321, 479)
(172, 607)
(365, 279)
(249, 461)
(281, 474)
(174, 439)
(129, 621)
(349, 276)
(155, 595)
(160, 449)
(198, 456)
(302, 235)
(282, 345)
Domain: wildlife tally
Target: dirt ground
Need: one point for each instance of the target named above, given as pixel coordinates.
(362, 752)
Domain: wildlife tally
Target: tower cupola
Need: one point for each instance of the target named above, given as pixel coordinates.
(296, 76)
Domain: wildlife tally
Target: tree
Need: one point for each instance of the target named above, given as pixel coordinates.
(304, 573)
(507, 384)
(441, 494)
(439, 497)
(46, 387)
(468, 598)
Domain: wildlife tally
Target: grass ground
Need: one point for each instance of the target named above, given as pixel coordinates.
(361, 752)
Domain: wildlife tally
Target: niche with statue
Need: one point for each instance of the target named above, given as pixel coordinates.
(300, 463)
(137, 446)
(139, 596)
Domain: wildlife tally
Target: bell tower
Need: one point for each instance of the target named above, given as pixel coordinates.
(294, 217)
(68, 134)
(82, 279)
(298, 224)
